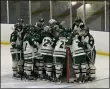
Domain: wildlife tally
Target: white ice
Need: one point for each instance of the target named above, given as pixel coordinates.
(102, 73)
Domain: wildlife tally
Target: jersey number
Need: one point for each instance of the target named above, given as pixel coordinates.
(62, 44)
(46, 41)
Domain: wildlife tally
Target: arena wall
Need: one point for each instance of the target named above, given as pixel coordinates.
(101, 38)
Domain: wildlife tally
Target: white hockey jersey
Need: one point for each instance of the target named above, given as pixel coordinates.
(60, 48)
(46, 47)
(35, 52)
(28, 50)
(76, 51)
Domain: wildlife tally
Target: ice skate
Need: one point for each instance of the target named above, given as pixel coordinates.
(16, 75)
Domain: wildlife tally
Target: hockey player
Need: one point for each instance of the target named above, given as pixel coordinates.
(16, 47)
(36, 39)
(21, 33)
(40, 24)
(82, 44)
(39, 62)
(77, 25)
(59, 54)
(14, 54)
(38, 59)
(28, 44)
(87, 43)
(47, 51)
(41, 20)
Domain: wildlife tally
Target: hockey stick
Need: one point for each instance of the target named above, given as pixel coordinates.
(22, 69)
(67, 70)
(33, 67)
(88, 56)
(88, 53)
(53, 69)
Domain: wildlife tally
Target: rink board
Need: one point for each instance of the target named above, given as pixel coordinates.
(102, 47)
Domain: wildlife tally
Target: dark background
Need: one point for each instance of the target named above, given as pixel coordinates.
(95, 15)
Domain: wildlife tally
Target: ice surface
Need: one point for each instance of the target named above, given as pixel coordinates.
(102, 73)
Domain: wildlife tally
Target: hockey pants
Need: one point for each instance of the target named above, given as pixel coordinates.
(59, 62)
(28, 66)
(48, 60)
(80, 65)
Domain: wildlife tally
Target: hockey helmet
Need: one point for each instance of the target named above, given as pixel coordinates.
(84, 31)
(41, 20)
(46, 29)
(81, 25)
(20, 20)
(78, 19)
(18, 27)
(52, 22)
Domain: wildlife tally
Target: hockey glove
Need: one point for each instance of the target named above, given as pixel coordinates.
(13, 44)
(79, 38)
(19, 47)
(82, 44)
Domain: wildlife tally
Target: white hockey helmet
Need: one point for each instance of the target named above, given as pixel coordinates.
(81, 25)
(46, 28)
(52, 21)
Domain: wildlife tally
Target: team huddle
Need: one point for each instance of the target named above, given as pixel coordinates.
(40, 51)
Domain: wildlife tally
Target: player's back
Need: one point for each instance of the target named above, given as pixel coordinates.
(60, 48)
(46, 47)
(27, 46)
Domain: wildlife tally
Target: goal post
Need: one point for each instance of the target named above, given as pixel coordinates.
(69, 69)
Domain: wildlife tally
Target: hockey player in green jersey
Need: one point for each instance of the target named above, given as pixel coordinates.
(77, 25)
(40, 25)
(16, 49)
(38, 58)
(13, 50)
(36, 37)
(29, 43)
